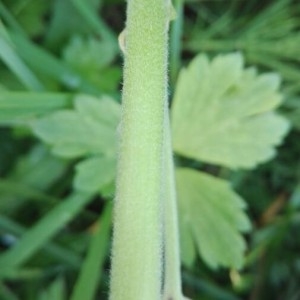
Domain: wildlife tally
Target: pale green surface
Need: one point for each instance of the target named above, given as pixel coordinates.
(223, 114)
(93, 59)
(213, 214)
(188, 250)
(88, 129)
(89, 52)
(172, 272)
(22, 106)
(91, 270)
(43, 231)
(136, 253)
(94, 173)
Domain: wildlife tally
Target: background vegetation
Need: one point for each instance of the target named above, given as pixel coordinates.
(57, 147)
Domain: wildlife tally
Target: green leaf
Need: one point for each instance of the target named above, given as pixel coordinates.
(223, 113)
(94, 173)
(88, 53)
(22, 106)
(211, 214)
(87, 130)
(188, 250)
(90, 57)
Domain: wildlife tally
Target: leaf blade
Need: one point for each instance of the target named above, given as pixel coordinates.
(225, 118)
(89, 129)
(92, 174)
(214, 216)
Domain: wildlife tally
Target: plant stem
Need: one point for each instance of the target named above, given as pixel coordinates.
(136, 253)
(172, 280)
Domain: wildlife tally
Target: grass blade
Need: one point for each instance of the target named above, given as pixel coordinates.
(86, 285)
(5, 293)
(64, 255)
(20, 106)
(99, 27)
(56, 291)
(25, 274)
(17, 66)
(47, 64)
(10, 20)
(43, 231)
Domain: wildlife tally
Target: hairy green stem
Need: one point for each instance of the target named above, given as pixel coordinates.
(137, 250)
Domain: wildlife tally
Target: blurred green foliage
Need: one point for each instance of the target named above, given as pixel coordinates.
(59, 62)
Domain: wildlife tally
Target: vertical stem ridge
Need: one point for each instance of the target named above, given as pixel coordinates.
(172, 274)
(136, 255)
